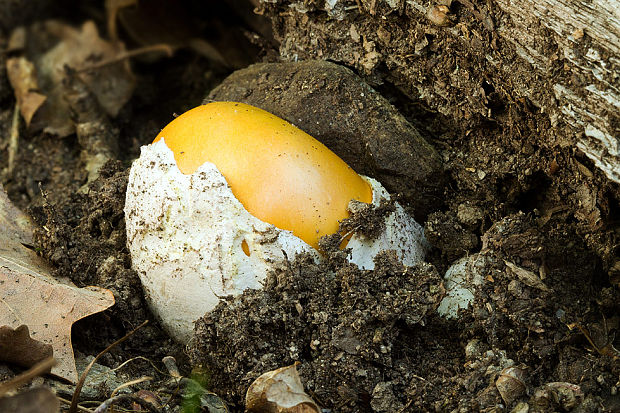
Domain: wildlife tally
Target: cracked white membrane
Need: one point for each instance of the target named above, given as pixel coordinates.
(187, 233)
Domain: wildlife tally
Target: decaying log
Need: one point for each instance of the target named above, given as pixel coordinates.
(587, 34)
(561, 56)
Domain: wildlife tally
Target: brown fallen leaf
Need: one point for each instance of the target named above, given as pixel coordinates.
(279, 391)
(23, 78)
(37, 400)
(30, 296)
(82, 48)
(13, 221)
(37, 77)
(17, 347)
(526, 277)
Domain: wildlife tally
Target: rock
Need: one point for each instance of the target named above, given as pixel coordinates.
(383, 399)
(462, 280)
(100, 382)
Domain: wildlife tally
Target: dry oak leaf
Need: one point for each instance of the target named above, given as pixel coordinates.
(30, 296)
(279, 391)
(17, 347)
(81, 48)
(22, 76)
(37, 77)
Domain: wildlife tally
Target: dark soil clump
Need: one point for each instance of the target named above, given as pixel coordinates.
(348, 327)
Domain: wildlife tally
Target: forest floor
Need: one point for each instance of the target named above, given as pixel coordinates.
(511, 203)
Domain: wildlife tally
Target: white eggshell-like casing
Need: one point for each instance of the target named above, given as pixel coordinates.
(402, 234)
(185, 235)
(462, 280)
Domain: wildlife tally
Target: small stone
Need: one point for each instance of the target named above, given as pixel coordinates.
(474, 349)
(438, 15)
(469, 214)
(100, 381)
(383, 398)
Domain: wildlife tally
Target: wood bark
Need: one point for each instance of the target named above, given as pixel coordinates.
(587, 34)
(561, 56)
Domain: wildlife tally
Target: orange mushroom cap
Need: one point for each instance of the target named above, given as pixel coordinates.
(279, 173)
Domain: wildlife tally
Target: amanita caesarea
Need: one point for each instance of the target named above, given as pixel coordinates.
(225, 193)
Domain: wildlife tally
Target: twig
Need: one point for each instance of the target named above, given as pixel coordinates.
(349, 234)
(124, 363)
(38, 369)
(80, 383)
(112, 7)
(103, 407)
(68, 402)
(130, 383)
(13, 140)
(162, 47)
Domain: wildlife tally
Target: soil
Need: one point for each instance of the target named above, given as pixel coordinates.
(501, 191)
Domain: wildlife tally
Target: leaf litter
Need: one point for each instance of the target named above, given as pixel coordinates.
(31, 297)
(17, 347)
(38, 75)
(279, 391)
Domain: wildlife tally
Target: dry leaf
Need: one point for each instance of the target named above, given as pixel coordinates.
(527, 277)
(110, 81)
(37, 400)
(23, 78)
(279, 391)
(79, 49)
(16, 227)
(31, 296)
(17, 347)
